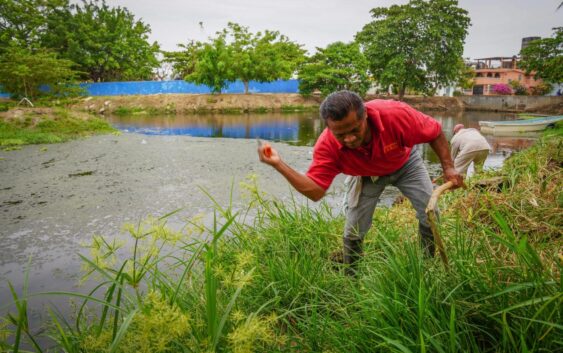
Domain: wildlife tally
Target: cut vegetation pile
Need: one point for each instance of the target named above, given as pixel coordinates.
(264, 283)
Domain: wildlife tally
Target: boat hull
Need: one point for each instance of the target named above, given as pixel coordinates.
(518, 127)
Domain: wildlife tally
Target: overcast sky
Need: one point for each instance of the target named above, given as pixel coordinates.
(497, 29)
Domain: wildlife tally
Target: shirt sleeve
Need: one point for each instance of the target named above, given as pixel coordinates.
(324, 167)
(416, 127)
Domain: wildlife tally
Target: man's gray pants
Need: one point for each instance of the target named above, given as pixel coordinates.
(413, 181)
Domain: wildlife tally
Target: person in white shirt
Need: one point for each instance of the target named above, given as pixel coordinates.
(468, 145)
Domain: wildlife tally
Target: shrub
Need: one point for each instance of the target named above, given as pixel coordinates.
(541, 90)
(518, 88)
(502, 88)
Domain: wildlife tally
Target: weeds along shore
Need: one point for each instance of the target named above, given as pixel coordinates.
(261, 279)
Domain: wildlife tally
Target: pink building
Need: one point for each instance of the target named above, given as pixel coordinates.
(495, 70)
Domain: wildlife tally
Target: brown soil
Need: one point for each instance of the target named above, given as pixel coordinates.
(194, 103)
(199, 103)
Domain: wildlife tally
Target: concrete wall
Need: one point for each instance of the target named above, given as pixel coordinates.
(179, 86)
(510, 103)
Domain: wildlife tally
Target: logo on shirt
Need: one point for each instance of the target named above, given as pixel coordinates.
(390, 147)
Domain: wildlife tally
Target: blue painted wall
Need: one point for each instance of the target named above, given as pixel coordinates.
(179, 86)
(3, 95)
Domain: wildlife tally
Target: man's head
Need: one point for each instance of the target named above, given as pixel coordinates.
(338, 104)
(458, 127)
(345, 116)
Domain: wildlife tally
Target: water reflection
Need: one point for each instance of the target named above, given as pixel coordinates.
(301, 128)
(298, 129)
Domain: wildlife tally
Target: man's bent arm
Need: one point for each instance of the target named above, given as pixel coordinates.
(440, 146)
(300, 182)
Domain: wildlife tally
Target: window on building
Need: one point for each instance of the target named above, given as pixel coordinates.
(490, 74)
(497, 75)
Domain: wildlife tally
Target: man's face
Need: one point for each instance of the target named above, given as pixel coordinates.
(350, 131)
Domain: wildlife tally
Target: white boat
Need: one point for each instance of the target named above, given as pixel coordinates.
(517, 127)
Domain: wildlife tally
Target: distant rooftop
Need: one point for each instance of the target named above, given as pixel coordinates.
(499, 58)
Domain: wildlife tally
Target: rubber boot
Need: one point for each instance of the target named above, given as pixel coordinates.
(352, 253)
(427, 241)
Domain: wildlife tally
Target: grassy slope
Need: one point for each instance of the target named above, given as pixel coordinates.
(269, 286)
(49, 125)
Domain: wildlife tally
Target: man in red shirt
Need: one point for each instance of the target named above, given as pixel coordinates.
(374, 143)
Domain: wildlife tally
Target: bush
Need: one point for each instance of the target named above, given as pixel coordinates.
(541, 90)
(502, 88)
(518, 88)
(27, 73)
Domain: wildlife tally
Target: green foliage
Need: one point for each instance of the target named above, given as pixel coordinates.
(417, 45)
(214, 64)
(541, 90)
(262, 57)
(236, 53)
(338, 66)
(23, 72)
(518, 88)
(106, 42)
(23, 22)
(544, 57)
(184, 61)
(35, 128)
(467, 76)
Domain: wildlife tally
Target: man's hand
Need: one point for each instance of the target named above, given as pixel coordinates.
(450, 174)
(300, 182)
(440, 146)
(268, 155)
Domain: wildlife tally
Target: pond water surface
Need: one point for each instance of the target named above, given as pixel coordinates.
(302, 129)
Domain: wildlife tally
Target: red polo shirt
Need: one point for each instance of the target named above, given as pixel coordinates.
(395, 127)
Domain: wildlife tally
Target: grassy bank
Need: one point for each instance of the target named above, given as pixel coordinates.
(172, 110)
(47, 125)
(265, 284)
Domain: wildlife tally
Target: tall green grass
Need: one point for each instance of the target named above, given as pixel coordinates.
(260, 279)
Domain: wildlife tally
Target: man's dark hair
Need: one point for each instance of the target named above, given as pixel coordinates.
(338, 104)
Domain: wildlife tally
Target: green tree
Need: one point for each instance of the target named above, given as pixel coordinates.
(544, 57)
(237, 54)
(107, 43)
(262, 57)
(338, 66)
(417, 45)
(23, 22)
(466, 77)
(23, 72)
(214, 64)
(183, 61)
